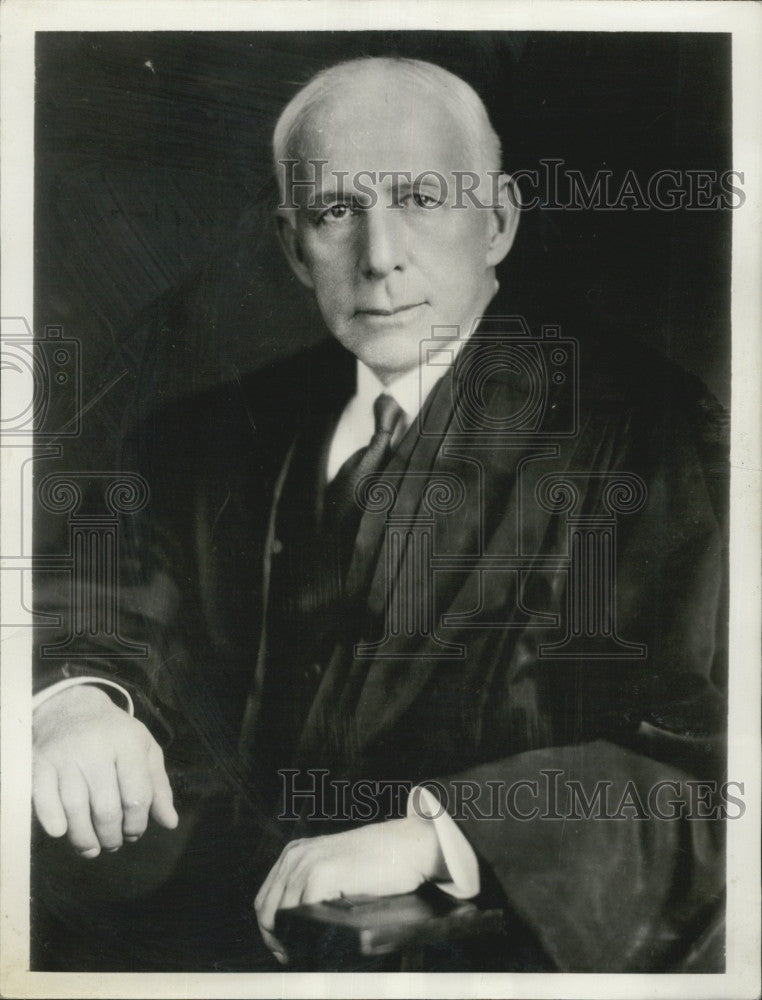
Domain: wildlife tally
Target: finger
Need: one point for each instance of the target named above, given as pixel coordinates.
(294, 887)
(264, 889)
(75, 800)
(285, 891)
(267, 905)
(272, 888)
(275, 946)
(273, 943)
(105, 805)
(162, 808)
(136, 792)
(47, 801)
(284, 858)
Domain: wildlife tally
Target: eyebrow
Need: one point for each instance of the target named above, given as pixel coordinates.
(328, 197)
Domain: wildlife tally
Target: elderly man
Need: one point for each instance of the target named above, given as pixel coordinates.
(265, 574)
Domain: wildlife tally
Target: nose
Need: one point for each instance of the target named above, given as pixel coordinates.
(384, 239)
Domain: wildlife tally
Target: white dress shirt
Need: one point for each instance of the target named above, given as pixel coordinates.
(353, 431)
(410, 391)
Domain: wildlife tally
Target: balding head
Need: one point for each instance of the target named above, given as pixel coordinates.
(385, 86)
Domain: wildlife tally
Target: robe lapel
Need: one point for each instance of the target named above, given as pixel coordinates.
(401, 666)
(345, 714)
(362, 697)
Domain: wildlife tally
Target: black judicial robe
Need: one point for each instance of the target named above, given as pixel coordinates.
(253, 666)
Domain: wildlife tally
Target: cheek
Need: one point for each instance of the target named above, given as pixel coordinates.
(330, 267)
(456, 268)
(459, 242)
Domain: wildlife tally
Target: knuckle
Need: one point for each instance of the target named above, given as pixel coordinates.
(75, 800)
(134, 821)
(90, 745)
(107, 815)
(139, 727)
(134, 730)
(137, 803)
(296, 846)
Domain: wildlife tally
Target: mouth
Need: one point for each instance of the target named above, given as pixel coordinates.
(387, 313)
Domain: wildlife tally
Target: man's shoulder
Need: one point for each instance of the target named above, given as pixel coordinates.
(605, 374)
(625, 373)
(668, 415)
(277, 391)
(261, 406)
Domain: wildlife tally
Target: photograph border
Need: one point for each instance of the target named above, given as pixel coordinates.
(19, 22)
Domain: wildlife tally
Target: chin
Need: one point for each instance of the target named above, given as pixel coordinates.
(388, 362)
(388, 353)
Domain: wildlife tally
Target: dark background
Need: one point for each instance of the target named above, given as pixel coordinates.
(153, 174)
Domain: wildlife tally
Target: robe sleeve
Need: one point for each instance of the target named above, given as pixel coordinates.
(632, 881)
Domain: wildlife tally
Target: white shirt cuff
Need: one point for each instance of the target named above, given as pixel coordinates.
(70, 682)
(459, 856)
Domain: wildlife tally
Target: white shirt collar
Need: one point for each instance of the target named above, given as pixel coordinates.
(411, 390)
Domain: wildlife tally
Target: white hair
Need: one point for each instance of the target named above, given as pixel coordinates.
(462, 100)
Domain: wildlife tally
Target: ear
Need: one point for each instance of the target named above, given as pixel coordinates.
(504, 220)
(285, 223)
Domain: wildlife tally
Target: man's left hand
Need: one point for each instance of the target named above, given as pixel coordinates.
(381, 859)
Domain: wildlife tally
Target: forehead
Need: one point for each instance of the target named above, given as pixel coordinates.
(385, 122)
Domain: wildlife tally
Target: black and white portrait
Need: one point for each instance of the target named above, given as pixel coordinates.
(374, 559)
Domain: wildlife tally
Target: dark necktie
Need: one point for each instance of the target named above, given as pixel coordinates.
(341, 507)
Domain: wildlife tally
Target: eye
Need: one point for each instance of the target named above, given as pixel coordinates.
(341, 210)
(421, 200)
(424, 200)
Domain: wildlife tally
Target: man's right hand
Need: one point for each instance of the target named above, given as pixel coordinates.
(98, 772)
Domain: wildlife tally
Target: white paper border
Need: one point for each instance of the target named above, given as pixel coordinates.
(18, 21)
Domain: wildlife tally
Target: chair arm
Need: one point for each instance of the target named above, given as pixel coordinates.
(358, 928)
